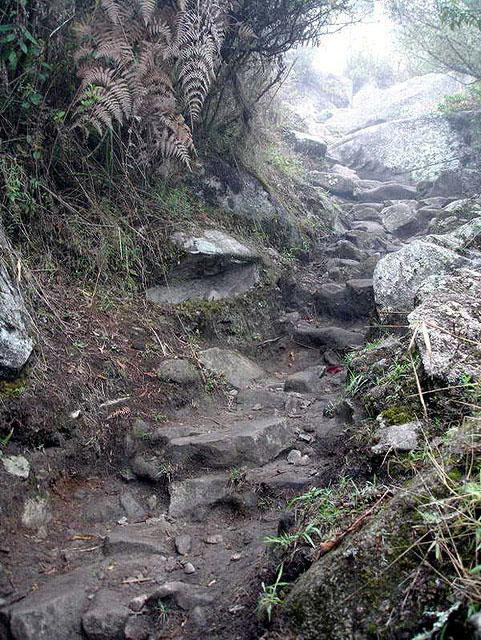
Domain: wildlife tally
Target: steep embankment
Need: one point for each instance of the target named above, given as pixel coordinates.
(166, 537)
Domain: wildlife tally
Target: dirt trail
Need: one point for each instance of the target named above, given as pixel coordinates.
(181, 553)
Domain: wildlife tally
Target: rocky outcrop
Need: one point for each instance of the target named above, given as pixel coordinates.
(413, 98)
(213, 266)
(417, 148)
(398, 276)
(16, 344)
(449, 308)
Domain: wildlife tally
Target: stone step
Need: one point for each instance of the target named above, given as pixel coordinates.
(335, 338)
(251, 442)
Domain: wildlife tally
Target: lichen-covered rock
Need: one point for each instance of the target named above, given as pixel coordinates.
(398, 276)
(400, 219)
(397, 437)
(450, 309)
(413, 147)
(16, 345)
(414, 97)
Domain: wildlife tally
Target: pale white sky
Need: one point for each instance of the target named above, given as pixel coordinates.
(376, 34)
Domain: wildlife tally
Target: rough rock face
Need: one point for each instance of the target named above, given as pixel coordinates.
(450, 308)
(418, 148)
(398, 276)
(309, 145)
(243, 197)
(355, 590)
(16, 345)
(413, 98)
(215, 266)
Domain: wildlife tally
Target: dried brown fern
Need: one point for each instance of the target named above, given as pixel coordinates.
(135, 56)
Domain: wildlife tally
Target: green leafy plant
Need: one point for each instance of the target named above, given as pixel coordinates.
(271, 597)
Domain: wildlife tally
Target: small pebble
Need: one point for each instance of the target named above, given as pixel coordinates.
(235, 557)
(216, 539)
(138, 603)
(189, 568)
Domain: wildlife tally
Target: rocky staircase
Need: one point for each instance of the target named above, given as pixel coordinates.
(172, 545)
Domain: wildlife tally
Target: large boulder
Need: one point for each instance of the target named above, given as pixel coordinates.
(214, 266)
(417, 148)
(450, 310)
(308, 145)
(236, 369)
(398, 276)
(244, 198)
(412, 98)
(16, 345)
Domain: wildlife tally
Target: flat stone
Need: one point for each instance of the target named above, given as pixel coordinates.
(16, 466)
(335, 338)
(143, 538)
(196, 494)
(388, 191)
(214, 539)
(105, 618)
(307, 381)
(237, 370)
(252, 442)
(179, 371)
(399, 437)
(53, 612)
(186, 596)
(183, 544)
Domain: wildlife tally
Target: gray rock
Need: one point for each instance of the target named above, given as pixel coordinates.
(179, 371)
(226, 284)
(16, 345)
(346, 250)
(308, 145)
(417, 96)
(475, 624)
(183, 544)
(36, 513)
(251, 442)
(195, 495)
(53, 612)
(148, 538)
(214, 539)
(398, 276)
(237, 370)
(6, 587)
(215, 266)
(134, 510)
(387, 191)
(105, 618)
(185, 596)
(267, 399)
(340, 185)
(335, 338)
(399, 437)
(16, 466)
(189, 568)
(400, 219)
(296, 458)
(307, 381)
(360, 297)
(446, 302)
(416, 148)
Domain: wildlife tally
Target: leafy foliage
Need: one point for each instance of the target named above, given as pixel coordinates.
(138, 61)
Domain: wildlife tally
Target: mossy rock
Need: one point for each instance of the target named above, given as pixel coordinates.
(373, 585)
